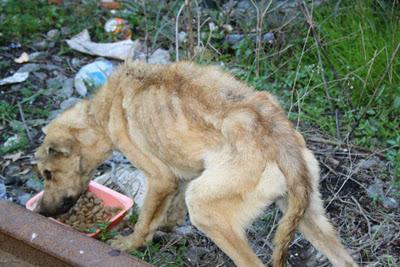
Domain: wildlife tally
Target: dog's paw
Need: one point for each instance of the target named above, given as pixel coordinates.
(123, 243)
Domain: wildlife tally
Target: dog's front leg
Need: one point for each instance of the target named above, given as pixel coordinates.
(159, 194)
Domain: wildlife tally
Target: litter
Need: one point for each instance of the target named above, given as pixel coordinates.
(24, 57)
(92, 76)
(118, 28)
(121, 50)
(17, 77)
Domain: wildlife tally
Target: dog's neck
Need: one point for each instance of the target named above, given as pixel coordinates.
(97, 146)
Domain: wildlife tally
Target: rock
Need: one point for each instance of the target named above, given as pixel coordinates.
(40, 75)
(11, 180)
(76, 62)
(332, 161)
(182, 37)
(56, 82)
(54, 113)
(69, 103)
(30, 67)
(194, 254)
(57, 59)
(40, 45)
(67, 89)
(36, 56)
(375, 191)
(11, 170)
(160, 56)
(367, 163)
(52, 44)
(23, 198)
(234, 38)
(126, 231)
(245, 6)
(390, 203)
(34, 184)
(53, 34)
(268, 37)
(184, 230)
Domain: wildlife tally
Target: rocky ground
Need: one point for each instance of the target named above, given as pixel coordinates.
(355, 182)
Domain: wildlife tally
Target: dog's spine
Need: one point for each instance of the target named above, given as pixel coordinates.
(299, 191)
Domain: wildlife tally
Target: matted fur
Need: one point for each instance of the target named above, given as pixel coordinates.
(184, 122)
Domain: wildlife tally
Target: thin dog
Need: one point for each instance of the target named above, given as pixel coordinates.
(234, 147)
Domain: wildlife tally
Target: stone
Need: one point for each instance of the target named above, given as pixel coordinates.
(36, 56)
(69, 103)
(76, 62)
(368, 163)
(11, 180)
(40, 75)
(11, 170)
(23, 198)
(375, 191)
(160, 56)
(67, 88)
(54, 113)
(34, 184)
(184, 230)
(234, 38)
(30, 67)
(56, 82)
(40, 45)
(390, 203)
(53, 34)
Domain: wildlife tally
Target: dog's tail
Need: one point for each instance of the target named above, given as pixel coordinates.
(299, 188)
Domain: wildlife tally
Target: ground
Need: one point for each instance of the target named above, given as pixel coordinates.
(359, 181)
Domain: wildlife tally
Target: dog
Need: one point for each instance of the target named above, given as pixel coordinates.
(234, 146)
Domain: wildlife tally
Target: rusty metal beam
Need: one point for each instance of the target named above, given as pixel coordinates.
(36, 240)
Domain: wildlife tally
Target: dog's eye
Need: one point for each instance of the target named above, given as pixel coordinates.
(47, 175)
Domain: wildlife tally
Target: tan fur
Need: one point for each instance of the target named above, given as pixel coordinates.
(183, 123)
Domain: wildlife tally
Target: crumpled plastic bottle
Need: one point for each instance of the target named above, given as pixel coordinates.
(92, 76)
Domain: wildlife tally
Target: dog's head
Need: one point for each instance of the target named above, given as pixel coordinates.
(71, 151)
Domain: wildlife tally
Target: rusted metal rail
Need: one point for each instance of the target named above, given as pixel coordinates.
(29, 239)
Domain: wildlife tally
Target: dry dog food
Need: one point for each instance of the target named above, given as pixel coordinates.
(88, 213)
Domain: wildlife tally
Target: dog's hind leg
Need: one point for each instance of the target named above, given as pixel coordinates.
(316, 227)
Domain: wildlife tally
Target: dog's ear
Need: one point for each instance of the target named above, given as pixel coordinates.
(60, 148)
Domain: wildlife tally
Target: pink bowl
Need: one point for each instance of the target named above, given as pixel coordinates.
(110, 198)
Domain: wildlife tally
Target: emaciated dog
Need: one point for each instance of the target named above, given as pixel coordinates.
(233, 145)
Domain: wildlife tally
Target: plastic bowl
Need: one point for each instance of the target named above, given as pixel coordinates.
(110, 198)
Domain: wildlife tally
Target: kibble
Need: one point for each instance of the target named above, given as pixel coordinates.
(88, 213)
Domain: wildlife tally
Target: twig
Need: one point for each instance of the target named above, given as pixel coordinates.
(21, 113)
(177, 33)
(190, 30)
(259, 28)
(363, 214)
